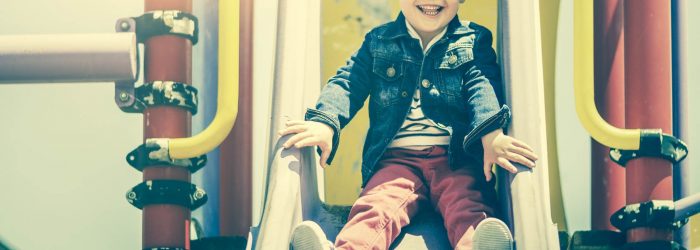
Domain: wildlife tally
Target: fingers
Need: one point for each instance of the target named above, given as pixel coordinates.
(324, 156)
(292, 123)
(487, 171)
(505, 164)
(524, 152)
(521, 144)
(296, 138)
(308, 141)
(520, 159)
(293, 129)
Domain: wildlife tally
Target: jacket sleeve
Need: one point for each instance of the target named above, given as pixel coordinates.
(483, 90)
(344, 94)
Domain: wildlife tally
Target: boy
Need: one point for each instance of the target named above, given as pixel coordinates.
(434, 117)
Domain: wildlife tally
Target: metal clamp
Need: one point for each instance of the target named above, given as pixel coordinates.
(162, 22)
(655, 213)
(166, 192)
(155, 152)
(156, 93)
(653, 144)
(125, 97)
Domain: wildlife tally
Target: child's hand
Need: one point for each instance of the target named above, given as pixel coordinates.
(502, 149)
(309, 133)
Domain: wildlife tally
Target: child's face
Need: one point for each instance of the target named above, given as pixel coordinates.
(429, 16)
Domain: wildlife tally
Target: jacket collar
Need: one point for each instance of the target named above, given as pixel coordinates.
(398, 28)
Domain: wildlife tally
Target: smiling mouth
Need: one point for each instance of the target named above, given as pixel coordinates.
(430, 10)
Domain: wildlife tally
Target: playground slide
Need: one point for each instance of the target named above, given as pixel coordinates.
(521, 60)
(291, 193)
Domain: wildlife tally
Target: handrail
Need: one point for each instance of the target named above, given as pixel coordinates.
(227, 102)
(600, 130)
(68, 58)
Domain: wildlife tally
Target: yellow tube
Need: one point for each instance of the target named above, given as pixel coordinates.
(599, 129)
(227, 102)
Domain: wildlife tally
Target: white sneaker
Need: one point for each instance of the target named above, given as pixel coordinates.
(309, 236)
(492, 234)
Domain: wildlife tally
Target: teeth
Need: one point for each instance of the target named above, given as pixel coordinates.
(430, 10)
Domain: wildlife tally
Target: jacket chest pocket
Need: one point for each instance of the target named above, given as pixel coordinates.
(388, 77)
(451, 69)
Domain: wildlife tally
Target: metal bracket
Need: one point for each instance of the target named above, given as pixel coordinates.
(655, 213)
(156, 93)
(132, 99)
(124, 91)
(155, 152)
(125, 97)
(654, 144)
(166, 192)
(162, 22)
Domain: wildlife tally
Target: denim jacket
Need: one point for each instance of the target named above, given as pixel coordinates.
(458, 77)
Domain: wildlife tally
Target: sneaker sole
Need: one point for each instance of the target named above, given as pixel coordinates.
(307, 237)
(492, 235)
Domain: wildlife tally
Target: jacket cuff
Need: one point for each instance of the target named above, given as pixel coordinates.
(472, 142)
(316, 115)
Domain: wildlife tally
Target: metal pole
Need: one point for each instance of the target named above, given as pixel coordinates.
(68, 58)
(236, 153)
(608, 178)
(648, 103)
(681, 172)
(167, 58)
(688, 206)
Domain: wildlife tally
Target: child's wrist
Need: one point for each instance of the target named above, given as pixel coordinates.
(487, 138)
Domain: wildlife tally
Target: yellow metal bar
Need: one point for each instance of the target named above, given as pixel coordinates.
(227, 102)
(591, 120)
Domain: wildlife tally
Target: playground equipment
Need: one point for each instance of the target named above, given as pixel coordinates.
(168, 156)
(681, 171)
(608, 182)
(648, 154)
(294, 181)
(293, 175)
(65, 58)
(521, 61)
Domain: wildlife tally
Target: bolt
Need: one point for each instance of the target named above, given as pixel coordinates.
(123, 96)
(124, 25)
(199, 194)
(131, 195)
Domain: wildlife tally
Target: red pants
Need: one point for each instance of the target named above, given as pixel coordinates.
(409, 180)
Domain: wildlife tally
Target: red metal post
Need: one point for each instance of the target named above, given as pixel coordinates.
(648, 102)
(236, 163)
(607, 177)
(167, 58)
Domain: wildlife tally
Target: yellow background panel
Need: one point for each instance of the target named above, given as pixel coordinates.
(695, 232)
(549, 17)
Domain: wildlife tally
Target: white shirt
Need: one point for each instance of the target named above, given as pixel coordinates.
(418, 131)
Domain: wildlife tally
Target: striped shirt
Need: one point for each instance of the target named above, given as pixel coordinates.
(418, 130)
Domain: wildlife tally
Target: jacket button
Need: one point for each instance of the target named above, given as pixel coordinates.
(404, 94)
(391, 72)
(452, 59)
(425, 83)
